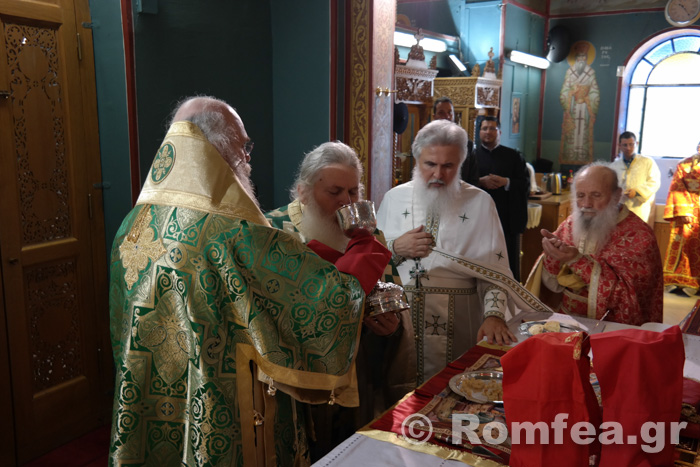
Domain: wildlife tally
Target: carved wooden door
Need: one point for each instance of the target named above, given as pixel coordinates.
(51, 226)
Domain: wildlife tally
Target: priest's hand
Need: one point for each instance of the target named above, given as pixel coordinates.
(495, 331)
(556, 249)
(414, 244)
(683, 219)
(631, 193)
(382, 324)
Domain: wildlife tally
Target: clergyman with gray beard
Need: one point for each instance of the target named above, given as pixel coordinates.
(329, 178)
(445, 234)
(602, 257)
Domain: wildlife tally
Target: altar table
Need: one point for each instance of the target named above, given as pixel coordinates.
(378, 444)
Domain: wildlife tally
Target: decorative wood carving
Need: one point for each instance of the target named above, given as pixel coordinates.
(471, 96)
(43, 185)
(54, 323)
(488, 93)
(357, 99)
(414, 86)
(54, 283)
(414, 80)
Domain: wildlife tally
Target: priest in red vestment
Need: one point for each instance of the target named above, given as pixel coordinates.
(682, 265)
(602, 257)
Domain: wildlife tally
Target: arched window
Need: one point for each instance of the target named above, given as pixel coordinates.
(661, 94)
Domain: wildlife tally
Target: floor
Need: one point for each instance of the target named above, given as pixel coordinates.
(91, 449)
(677, 305)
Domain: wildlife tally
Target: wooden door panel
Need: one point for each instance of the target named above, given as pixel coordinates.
(7, 435)
(53, 325)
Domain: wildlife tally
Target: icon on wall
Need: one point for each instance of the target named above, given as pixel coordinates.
(515, 114)
(579, 97)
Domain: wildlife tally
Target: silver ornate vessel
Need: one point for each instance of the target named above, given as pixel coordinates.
(359, 218)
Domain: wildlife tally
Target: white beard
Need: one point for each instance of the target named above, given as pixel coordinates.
(442, 200)
(317, 226)
(594, 232)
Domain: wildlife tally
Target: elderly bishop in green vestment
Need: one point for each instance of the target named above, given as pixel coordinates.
(220, 323)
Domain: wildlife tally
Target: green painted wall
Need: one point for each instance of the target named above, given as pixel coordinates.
(301, 60)
(524, 31)
(434, 16)
(270, 60)
(614, 37)
(223, 49)
(479, 30)
(111, 108)
(477, 25)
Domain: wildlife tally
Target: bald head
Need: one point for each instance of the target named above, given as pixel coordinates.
(602, 172)
(596, 186)
(223, 128)
(193, 106)
(220, 124)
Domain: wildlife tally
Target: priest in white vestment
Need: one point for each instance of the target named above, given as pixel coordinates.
(450, 251)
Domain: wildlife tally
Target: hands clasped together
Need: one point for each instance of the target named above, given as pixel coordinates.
(492, 181)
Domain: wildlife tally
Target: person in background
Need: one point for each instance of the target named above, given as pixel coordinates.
(329, 178)
(220, 323)
(602, 258)
(443, 109)
(639, 177)
(503, 175)
(682, 263)
(449, 249)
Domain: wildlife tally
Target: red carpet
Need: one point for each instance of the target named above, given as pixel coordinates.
(89, 450)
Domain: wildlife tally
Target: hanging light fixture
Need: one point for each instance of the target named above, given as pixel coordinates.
(528, 60)
(458, 63)
(409, 40)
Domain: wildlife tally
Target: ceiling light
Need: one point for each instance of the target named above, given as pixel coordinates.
(528, 60)
(409, 40)
(458, 63)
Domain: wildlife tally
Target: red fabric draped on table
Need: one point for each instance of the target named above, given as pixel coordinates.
(641, 381)
(547, 379)
(640, 375)
(392, 420)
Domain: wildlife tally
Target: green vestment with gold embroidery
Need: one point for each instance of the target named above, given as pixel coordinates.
(386, 366)
(217, 318)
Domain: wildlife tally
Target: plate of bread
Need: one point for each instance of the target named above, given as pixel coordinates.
(481, 386)
(532, 328)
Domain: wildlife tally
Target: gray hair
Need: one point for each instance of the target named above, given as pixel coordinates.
(321, 157)
(615, 183)
(441, 133)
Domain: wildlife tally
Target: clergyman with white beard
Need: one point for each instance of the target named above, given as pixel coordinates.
(440, 229)
(602, 258)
